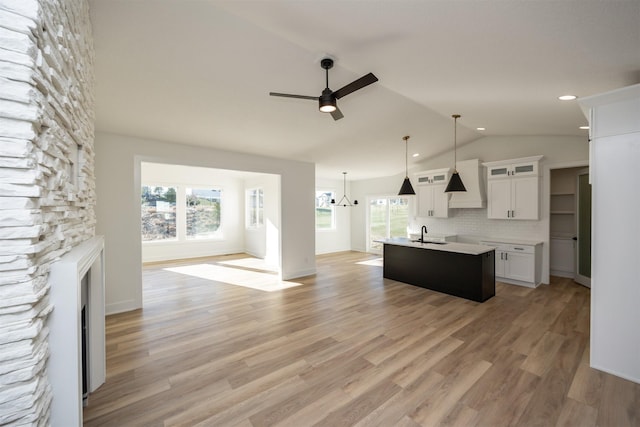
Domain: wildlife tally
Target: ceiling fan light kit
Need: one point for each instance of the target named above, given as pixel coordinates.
(327, 101)
(455, 182)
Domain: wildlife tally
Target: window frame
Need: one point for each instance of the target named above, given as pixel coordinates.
(255, 194)
(176, 237)
(181, 214)
(332, 195)
(216, 235)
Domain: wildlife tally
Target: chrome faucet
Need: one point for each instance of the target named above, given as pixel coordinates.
(423, 231)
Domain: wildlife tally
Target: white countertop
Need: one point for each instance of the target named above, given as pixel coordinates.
(461, 248)
(512, 241)
(434, 236)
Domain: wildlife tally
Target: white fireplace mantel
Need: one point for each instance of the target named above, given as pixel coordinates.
(65, 339)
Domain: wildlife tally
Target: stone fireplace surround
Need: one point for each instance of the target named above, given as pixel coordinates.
(47, 184)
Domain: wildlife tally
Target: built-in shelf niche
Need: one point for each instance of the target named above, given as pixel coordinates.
(563, 202)
(562, 210)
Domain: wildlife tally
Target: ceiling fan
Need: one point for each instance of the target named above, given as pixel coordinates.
(328, 98)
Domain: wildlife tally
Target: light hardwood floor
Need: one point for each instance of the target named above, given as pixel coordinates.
(349, 348)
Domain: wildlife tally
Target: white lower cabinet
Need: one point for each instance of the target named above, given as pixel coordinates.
(517, 264)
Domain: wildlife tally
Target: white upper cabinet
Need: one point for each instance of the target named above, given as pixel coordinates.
(432, 200)
(510, 170)
(513, 188)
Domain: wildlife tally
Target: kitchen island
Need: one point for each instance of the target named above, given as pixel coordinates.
(459, 269)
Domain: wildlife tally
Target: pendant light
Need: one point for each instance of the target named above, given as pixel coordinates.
(345, 200)
(407, 188)
(455, 183)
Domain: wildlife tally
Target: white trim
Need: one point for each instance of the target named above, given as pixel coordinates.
(545, 208)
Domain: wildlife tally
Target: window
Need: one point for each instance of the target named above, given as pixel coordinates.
(255, 208)
(158, 213)
(203, 213)
(388, 217)
(325, 213)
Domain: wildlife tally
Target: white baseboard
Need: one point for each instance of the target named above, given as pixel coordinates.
(296, 274)
(616, 373)
(121, 307)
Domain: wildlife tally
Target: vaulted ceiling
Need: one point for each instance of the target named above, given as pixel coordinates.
(200, 73)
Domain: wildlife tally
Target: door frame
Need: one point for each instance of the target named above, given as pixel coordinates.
(545, 209)
(577, 277)
(410, 207)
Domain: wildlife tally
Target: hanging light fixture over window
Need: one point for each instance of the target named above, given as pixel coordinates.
(406, 188)
(455, 183)
(345, 200)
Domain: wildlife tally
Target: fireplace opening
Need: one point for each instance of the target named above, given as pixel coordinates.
(84, 290)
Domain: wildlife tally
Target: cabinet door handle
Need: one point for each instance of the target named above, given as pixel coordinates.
(508, 214)
(506, 256)
(513, 214)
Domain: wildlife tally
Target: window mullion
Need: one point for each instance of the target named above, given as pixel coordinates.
(181, 213)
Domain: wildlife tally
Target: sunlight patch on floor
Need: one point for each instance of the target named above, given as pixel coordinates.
(253, 263)
(377, 262)
(267, 282)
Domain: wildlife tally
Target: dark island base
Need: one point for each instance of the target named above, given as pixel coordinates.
(462, 275)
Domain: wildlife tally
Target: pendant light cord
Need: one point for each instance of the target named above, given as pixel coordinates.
(344, 185)
(406, 156)
(455, 138)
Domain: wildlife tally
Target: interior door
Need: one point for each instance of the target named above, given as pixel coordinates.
(583, 227)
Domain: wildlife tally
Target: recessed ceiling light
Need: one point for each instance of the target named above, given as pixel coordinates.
(480, 129)
(584, 127)
(567, 97)
(416, 154)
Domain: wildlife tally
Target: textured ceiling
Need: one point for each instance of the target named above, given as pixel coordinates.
(199, 72)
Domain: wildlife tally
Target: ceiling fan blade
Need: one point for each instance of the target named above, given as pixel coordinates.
(337, 114)
(288, 95)
(355, 85)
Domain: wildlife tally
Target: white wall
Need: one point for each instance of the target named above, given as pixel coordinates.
(264, 241)
(472, 224)
(118, 160)
(338, 239)
(615, 278)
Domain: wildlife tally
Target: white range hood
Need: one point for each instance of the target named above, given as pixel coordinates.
(472, 175)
